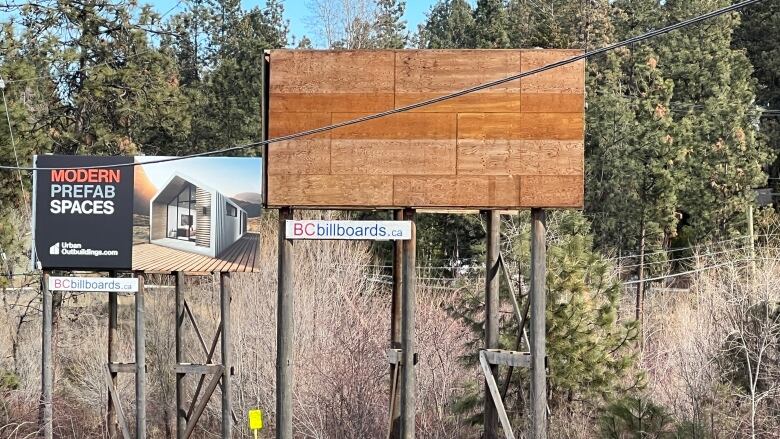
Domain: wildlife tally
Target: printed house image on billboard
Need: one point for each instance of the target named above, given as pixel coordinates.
(196, 215)
(188, 215)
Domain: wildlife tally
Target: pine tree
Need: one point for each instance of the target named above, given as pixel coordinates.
(757, 34)
(490, 25)
(589, 351)
(714, 98)
(449, 26)
(390, 27)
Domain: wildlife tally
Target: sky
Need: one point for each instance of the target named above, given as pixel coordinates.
(298, 12)
(228, 175)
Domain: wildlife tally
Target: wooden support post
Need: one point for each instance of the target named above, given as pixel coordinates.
(181, 419)
(395, 331)
(227, 406)
(284, 331)
(408, 391)
(491, 314)
(47, 368)
(113, 316)
(140, 361)
(538, 304)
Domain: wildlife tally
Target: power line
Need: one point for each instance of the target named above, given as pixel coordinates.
(486, 85)
(13, 145)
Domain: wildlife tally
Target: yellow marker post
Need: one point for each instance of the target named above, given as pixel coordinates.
(255, 421)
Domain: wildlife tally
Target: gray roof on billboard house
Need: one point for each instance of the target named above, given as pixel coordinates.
(177, 182)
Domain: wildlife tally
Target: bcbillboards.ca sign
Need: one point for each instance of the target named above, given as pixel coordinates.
(93, 284)
(353, 230)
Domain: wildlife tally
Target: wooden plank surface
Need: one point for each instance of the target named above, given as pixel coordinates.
(330, 190)
(456, 191)
(327, 102)
(551, 191)
(515, 145)
(485, 126)
(324, 71)
(520, 157)
(398, 126)
(390, 157)
(240, 257)
(423, 71)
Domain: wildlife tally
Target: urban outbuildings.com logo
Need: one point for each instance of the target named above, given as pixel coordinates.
(76, 249)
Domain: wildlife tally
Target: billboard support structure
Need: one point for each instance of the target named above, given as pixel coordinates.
(395, 331)
(140, 361)
(47, 368)
(491, 313)
(409, 285)
(284, 331)
(538, 335)
(113, 314)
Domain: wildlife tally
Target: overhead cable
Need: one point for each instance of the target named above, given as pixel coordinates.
(406, 108)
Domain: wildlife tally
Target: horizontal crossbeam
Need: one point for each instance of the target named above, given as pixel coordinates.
(502, 357)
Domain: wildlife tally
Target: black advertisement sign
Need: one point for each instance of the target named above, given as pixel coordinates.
(159, 215)
(84, 216)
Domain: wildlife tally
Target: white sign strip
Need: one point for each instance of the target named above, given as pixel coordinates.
(358, 230)
(90, 284)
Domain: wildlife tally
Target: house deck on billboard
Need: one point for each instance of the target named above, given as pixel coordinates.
(190, 216)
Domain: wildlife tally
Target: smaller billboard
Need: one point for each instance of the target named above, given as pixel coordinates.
(352, 230)
(93, 284)
(152, 214)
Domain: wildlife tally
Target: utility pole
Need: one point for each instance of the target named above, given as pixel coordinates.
(284, 331)
(491, 313)
(538, 325)
(408, 390)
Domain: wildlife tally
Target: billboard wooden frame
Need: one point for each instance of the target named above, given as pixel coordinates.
(518, 145)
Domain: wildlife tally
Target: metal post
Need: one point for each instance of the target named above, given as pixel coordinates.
(408, 396)
(113, 315)
(140, 361)
(491, 313)
(538, 302)
(224, 305)
(395, 331)
(47, 373)
(181, 411)
(284, 331)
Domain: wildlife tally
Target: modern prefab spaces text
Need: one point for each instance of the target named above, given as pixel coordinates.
(190, 216)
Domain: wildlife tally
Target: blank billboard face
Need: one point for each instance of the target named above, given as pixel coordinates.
(516, 145)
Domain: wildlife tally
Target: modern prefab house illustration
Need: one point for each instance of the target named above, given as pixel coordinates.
(190, 216)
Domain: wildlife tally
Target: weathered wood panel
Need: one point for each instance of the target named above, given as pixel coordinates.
(328, 102)
(305, 71)
(425, 74)
(331, 190)
(551, 191)
(559, 90)
(514, 145)
(520, 157)
(391, 157)
(456, 191)
(432, 126)
(490, 126)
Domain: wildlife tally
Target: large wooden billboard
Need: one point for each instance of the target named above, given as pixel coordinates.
(516, 145)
